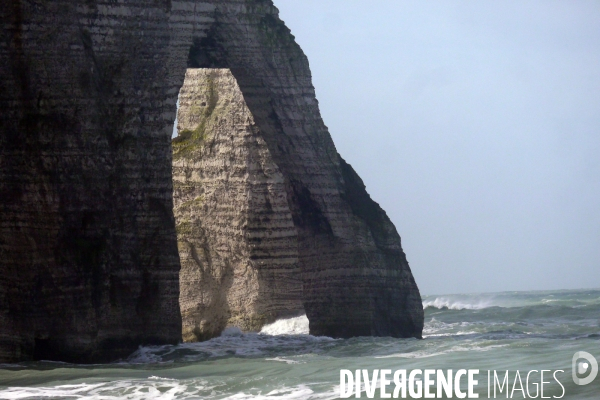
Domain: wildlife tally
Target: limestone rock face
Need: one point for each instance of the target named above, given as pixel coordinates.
(252, 236)
(88, 256)
(237, 241)
(88, 248)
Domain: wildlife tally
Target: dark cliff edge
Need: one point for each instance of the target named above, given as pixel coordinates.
(88, 245)
(397, 305)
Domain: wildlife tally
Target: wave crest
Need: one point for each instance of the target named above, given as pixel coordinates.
(444, 302)
(288, 326)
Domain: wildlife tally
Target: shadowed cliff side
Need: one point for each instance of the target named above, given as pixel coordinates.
(88, 256)
(355, 278)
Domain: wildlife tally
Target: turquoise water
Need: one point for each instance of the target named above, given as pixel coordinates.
(514, 331)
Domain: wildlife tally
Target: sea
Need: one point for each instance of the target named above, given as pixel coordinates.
(514, 335)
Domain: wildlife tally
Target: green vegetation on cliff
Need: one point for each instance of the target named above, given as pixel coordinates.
(189, 140)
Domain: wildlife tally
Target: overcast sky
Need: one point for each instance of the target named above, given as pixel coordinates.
(475, 125)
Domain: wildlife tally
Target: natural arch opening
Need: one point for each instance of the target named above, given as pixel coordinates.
(270, 219)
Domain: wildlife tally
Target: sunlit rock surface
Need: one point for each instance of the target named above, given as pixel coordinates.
(237, 241)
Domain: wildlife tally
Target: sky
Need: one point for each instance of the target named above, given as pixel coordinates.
(475, 125)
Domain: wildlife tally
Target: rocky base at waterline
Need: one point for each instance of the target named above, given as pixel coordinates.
(256, 244)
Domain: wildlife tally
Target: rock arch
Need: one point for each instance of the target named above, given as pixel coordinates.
(88, 246)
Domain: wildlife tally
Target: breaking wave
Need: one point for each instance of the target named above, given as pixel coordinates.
(279, 338)
(288, 326)
(451, 304)
(571, 299)
(509, 330)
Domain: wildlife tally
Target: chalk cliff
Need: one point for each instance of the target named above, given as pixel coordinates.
(252, 235)
(88, 247)
(88, 254)
(237, 241)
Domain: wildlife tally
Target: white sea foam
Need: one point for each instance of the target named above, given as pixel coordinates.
(153, 388)
(285, 360)
(457, 304)
(158, 378)
(288, 326)
(274, 340)
(12, 366)
(459, 348)
(158, 389)
(459, 333)
(527, 329)
(300, 392)
(435, 328)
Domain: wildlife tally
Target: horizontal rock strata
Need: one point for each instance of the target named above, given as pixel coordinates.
(88, 250)
(88, 254)
(251, 237)
(237, 241)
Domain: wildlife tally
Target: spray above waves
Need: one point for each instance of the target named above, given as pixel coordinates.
(454, 304)
(288, 326)
(477, 301)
